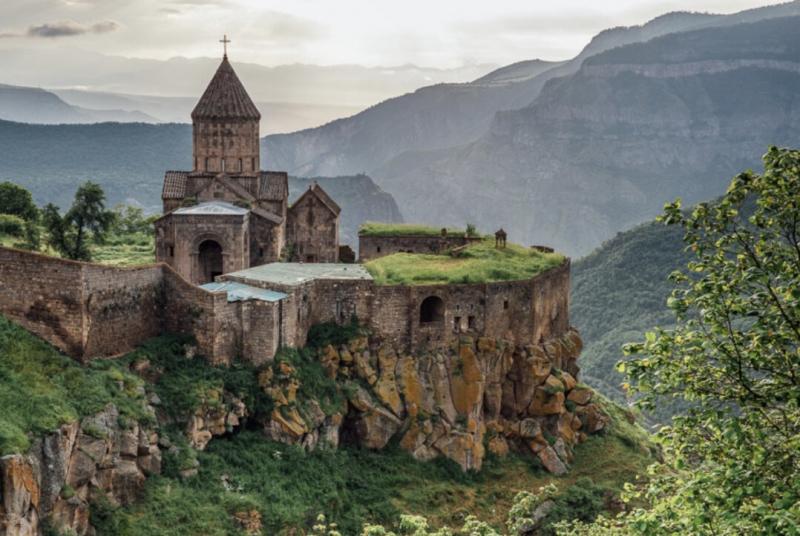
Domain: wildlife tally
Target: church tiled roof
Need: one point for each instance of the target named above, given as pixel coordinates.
(225, 97)
(273, 186)
(174, 185)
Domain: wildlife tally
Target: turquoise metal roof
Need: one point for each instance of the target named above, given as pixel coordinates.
(242, 292)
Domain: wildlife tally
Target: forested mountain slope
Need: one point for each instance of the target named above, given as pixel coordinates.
(129, 160)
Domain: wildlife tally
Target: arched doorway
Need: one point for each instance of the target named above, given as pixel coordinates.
(210, 259)
(431, 310)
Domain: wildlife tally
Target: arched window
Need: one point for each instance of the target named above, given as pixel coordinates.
(431, 310)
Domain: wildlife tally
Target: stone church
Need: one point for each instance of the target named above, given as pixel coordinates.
(227, 214)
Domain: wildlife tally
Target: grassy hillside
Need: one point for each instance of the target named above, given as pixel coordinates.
(41, 389)
(618, 293)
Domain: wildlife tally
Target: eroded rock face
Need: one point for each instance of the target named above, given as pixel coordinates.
(63, 471)
(221, 414)
(448, 403)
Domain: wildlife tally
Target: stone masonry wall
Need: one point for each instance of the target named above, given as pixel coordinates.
(89, 310)
(123, 307)
(522, 312)
(44, 295)
(372, 247)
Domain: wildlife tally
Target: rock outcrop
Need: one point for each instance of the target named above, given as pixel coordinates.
(102, 457)
(454, 403)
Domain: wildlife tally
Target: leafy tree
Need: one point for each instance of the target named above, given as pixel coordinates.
(16, 200)
(32, 238)
(131, 220)
(87, 220)
(733, 458)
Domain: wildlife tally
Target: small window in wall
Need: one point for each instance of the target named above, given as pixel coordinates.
(505, 304)
(241, 165)
(253, 164)
(471, 322)
(260, 252)
(456, 324)
(206, 164)
(379, 249)
(223, 164)
(171, 251)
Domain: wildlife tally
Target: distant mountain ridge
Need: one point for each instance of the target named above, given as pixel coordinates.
(35, 105)
(602, 144)
(448, 115)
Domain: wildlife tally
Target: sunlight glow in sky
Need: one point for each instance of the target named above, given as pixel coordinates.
(434, 33)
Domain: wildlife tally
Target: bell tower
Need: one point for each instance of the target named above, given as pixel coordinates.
(225, 126)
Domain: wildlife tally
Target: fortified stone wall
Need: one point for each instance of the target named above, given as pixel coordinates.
(372, 247)
(89, 310)
(44, 295)
(522, 312)
(123, 307)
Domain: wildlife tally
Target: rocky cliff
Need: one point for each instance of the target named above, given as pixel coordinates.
(479, 394)
(101, 458)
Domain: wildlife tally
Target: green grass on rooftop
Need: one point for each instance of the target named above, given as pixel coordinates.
(478, 263)
(372, 228)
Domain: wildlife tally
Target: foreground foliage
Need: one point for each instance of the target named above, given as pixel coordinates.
(481, 262)
(734, 357)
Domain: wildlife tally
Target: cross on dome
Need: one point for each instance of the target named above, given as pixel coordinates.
(225, 42)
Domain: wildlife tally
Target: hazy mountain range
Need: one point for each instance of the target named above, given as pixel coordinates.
(568, 154)
(290, 97)
(72, 106)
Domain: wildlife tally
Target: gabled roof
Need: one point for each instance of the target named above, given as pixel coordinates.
(225, 97)
(212, 208)
(230, 184)
(316, 190)
(174, 185)
(267, 215)
(273, 185)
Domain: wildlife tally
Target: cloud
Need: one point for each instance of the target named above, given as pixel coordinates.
(69, 28)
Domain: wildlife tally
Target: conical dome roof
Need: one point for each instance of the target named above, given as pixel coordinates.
(225, 97)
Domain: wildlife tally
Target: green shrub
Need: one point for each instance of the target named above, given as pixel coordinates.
(12, 225)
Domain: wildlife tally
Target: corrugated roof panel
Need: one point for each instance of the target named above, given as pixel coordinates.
(295, 273)
(241, 292)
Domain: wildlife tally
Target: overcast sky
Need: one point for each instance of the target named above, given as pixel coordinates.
(432, 33)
